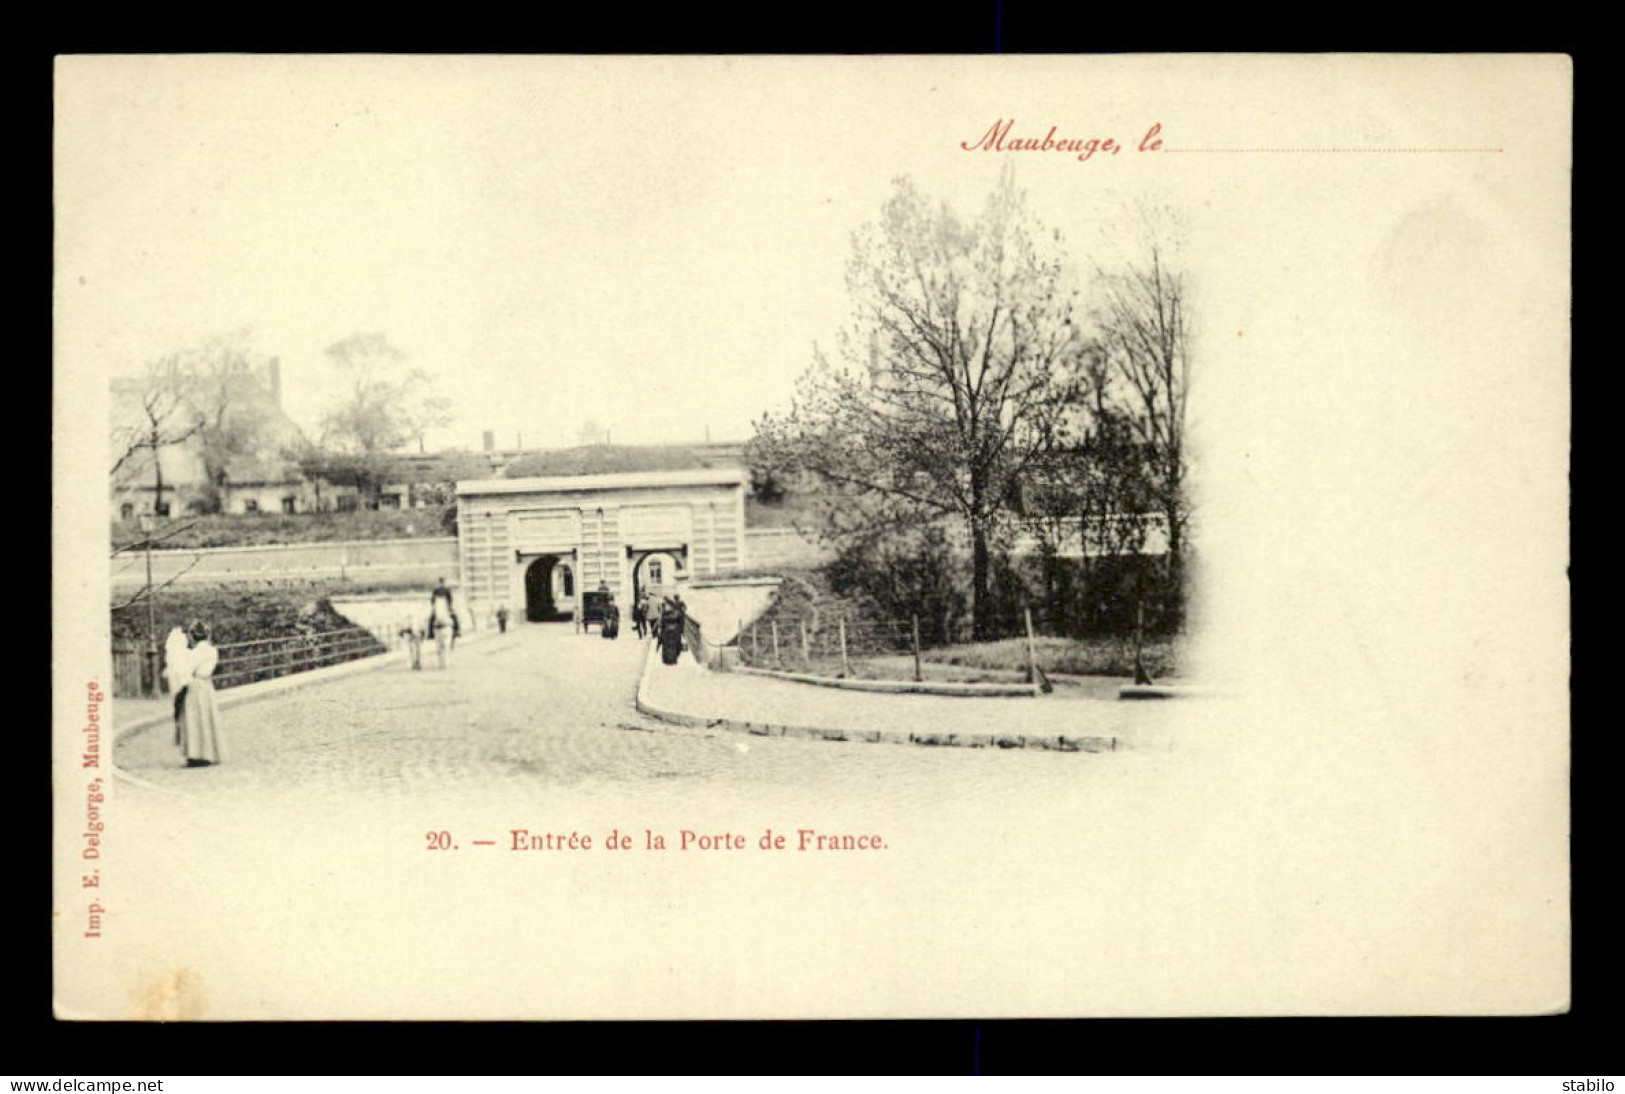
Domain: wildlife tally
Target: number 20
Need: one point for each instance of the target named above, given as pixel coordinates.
(439, 841)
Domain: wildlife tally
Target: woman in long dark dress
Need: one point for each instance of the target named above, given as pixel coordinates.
(672, 622)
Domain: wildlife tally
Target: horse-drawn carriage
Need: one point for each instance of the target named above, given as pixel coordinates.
(598, 608)
(592, 609)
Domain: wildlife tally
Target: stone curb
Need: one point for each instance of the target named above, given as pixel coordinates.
(231, 697)
(1169, 691)
(900, 687)
(1017, 674)
(646, 705)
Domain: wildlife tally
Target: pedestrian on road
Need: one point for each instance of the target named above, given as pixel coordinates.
(442, 591)
(640, 614)
(200, 720)
(673, 619)
(502, 619)
(177, 669)
(444, 636)
(414, 645)
(611, 627)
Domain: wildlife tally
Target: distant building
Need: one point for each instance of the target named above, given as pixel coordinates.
(265, 482)
(533, 545)
(274, 479)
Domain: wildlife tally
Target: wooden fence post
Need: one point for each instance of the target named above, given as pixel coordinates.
(917, 676)
(774, 623)
(806, 653)
(1032, 652)
(846, 666)
(1140, 675)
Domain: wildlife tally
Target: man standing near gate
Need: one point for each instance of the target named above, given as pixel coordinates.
(442, 591)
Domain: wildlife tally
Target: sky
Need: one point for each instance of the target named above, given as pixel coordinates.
(655, 246)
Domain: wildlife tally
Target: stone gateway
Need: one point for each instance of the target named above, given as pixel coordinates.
(535, 546)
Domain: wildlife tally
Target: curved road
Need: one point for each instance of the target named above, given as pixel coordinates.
(539, 707)
(299, 878)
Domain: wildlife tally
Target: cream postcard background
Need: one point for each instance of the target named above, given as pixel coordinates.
(1380, 409)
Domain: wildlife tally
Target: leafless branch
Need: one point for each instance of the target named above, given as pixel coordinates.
(140, 543)
(148, 591)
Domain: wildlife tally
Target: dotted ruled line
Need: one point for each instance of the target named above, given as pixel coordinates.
(1321, 151)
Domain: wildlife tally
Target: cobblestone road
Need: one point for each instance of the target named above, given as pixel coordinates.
(316, 840)
(301, 879)
(541, 708)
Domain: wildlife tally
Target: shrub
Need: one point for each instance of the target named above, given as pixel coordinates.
(894, 579)
(234, 614)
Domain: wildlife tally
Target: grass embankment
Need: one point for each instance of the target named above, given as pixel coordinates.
(275, 529)
(880, 649)
(1002, 662)
(617, 459)
(1069, 656)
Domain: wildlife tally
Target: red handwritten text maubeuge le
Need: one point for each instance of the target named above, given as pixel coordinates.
(999, 139)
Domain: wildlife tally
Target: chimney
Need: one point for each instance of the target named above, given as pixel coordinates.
(273, 380)
(490, 441)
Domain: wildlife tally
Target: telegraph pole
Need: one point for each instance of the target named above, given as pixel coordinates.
(151, 677)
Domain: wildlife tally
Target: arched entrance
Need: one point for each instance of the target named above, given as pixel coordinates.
(540, 605)
(656, 569)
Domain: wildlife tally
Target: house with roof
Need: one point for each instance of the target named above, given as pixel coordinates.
(178, 475)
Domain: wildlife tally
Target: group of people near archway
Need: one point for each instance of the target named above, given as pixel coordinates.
(190, 659)
(665, 623)
(668, 626)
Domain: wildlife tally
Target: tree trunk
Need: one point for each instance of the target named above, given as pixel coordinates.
(980, 579)
(214, 475)
(1052, 567)
(158, 477)
(981, 569)
(1174, 604)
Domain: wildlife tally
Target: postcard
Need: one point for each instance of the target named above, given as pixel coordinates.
(661, 537)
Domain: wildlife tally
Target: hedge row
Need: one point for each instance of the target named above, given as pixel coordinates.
(268, 529)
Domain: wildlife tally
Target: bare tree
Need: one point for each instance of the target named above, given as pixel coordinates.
(385, 406)
(1145, 333)
(210, 397)
(161, 417)
(226, 391)
(958, 369)
(1091, 500)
